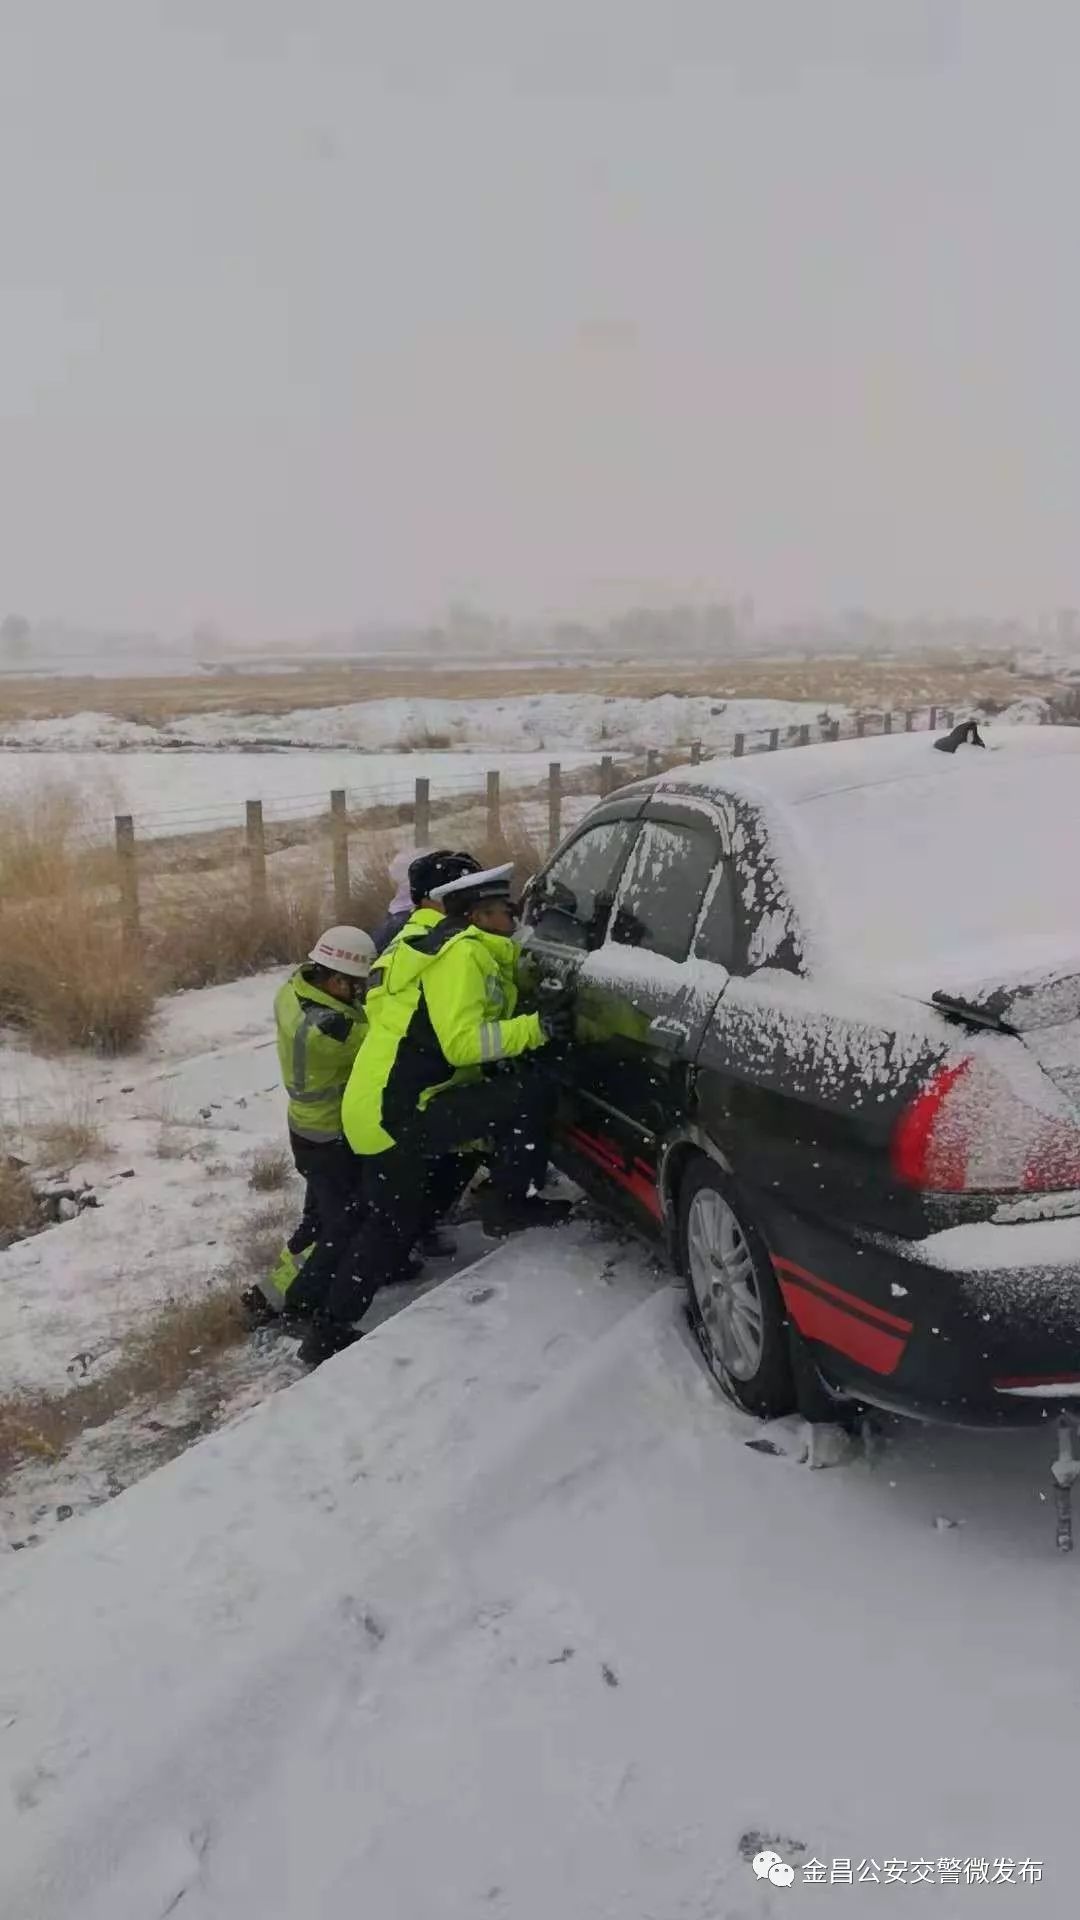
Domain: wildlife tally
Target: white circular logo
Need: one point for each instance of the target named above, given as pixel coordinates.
(769, 1866)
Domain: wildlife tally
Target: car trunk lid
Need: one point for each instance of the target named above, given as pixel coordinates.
(1041, 1008)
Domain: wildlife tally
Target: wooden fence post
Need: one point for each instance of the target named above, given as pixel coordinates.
(422, 813)
(804, 736)
(127, 876)
(494, 817)
(652, 760)
(860, 726)
(607, 776)
(886, 724)
(909, 722)
(256, 852)
(739, 747)
(339, 840)
(774, 739)
(932, 722)
(834, 730)
(695, 753)
(554, 804)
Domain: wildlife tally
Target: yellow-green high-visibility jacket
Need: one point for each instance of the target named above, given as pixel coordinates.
(443, 1010)
(318, 1038)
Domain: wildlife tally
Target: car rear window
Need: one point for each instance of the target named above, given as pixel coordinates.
(915, 874)
(663, 887)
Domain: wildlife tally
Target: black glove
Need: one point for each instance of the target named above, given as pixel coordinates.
(557, 1022)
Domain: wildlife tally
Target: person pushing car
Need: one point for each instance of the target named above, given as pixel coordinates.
(447, 1063)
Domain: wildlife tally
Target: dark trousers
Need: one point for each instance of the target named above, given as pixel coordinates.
(334, 1179)
(511, 1111)
(446, 1179)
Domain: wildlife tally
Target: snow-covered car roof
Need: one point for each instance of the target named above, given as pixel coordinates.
(919, 868)
(805, 773)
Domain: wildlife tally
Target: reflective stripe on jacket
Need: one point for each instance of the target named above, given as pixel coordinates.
(318, 1038)
(443, 1009)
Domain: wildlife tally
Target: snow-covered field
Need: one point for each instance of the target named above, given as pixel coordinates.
(185, 792)
(182, 1123)
(535, 723)
(498, 1615)
(198, 771)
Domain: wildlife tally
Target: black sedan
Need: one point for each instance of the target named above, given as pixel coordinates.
(828, 1054)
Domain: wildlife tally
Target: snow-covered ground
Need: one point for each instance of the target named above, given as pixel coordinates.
(182, 1123)
(532, 723)
(498, 1615)
(180, 1127)
(198, 771)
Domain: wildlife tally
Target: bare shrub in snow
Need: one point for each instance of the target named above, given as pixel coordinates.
(57, 900)
(64, 1139)
(516, 842)
(371, 887)
(20, 1213)
(171, 1144)
(95, 993)
(43, 851)
(180, 1339)
(270, 1170)
(417, 737)
(198, 947)
(260, 1240)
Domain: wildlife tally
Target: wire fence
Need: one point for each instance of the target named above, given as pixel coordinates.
(411, 803)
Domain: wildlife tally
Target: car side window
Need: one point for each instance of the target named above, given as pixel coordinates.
(718, 933)
(663, 887)
(571, 901)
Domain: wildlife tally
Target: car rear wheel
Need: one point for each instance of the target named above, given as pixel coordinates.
(735, 1303)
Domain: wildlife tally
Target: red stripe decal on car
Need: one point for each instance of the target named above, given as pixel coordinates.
(1039, 1380)
(817, 1319)
(850, 1301)
(637, 1180)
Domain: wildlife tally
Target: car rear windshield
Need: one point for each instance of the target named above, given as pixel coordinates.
(956, 867)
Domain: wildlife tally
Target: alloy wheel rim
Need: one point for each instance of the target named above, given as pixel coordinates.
(725, 1284)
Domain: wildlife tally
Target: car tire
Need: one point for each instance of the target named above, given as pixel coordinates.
(734, 1302)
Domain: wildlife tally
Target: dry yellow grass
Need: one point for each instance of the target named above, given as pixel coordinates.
(269, 1171)
(67, 980)
(63, 1140)
(916, 678)
(179, 1339)
(157, 1360)
(19, 1211)
(211, 939)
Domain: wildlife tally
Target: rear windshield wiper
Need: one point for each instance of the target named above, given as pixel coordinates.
(972, 1016)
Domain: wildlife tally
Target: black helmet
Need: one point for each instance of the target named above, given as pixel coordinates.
(432, 870)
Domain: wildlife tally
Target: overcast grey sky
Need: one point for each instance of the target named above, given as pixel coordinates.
(315, 310)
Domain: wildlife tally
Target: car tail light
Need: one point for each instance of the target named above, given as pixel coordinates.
(968, 1131)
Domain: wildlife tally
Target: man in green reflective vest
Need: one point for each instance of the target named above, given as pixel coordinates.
(447, 1063)
(321, 1025)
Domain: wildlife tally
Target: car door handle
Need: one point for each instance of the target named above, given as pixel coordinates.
(667, 1027)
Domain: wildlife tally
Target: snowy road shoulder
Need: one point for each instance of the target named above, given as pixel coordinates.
(497, 1615)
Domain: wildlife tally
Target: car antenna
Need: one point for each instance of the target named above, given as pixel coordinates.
(965, 735)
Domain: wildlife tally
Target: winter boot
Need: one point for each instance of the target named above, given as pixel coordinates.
(503, 1213)
(324, 1338)
(410, 1268)
(257, 1309)
(435, 1245)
